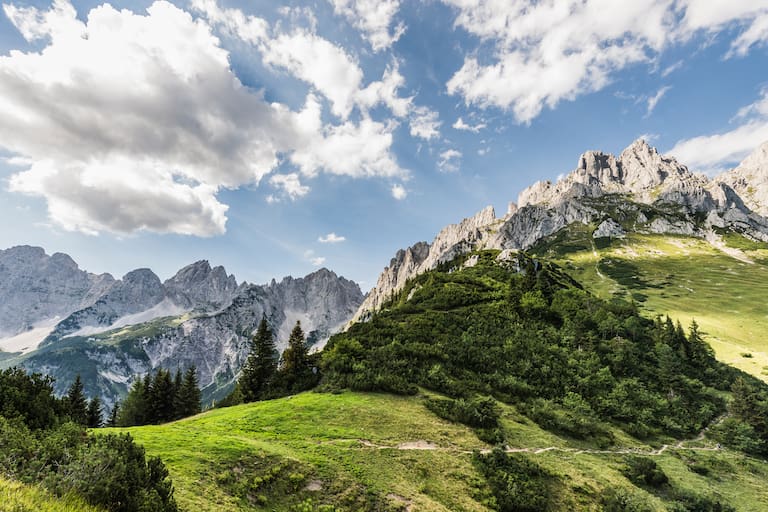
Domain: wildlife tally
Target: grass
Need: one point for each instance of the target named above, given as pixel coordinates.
(267, 455)
(684, 277)
(17, 497)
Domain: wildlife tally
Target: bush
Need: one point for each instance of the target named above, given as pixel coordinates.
(644, 472)
(517, 483)
(479, 412)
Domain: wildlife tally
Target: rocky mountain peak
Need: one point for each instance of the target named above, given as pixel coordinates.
(750, 180)
(200, 286)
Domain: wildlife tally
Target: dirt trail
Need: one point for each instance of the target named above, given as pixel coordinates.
(427, 445)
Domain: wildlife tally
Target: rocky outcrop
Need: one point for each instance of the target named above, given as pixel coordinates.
(453, 240)
(609, 228)
(198, 286)
(750, 180)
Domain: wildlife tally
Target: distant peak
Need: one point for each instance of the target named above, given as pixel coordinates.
(758, 159)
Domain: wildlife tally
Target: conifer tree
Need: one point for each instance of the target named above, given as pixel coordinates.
(296, 355)
(77, 407)
(113, 416)
(261, 365)
(162, 395)
(94, 413)
(189, 394)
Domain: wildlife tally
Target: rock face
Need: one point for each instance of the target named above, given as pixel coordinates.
(645, 191)
(200, 316)
(200, 286)
(35, 288)
(750, 180)
(452, 240)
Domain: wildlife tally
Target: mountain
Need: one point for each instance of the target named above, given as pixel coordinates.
(110, 331)
(639, 191)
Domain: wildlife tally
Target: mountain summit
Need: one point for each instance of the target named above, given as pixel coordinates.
(640, 190)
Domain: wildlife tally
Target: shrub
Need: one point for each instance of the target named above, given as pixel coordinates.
(517, 483)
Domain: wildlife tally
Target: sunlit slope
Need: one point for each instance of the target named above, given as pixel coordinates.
(724, 287)
(17, 497)
(361, 451)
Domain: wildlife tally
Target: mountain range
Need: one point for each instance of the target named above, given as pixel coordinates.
(638, 191)
(58, 319)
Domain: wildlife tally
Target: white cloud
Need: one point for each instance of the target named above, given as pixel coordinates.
(148, 123)
(756, 34)
(310, 58)
(316, 261)
(352, 149)
(547, 52)
(331, 238)
(290, 185)
(448, 161)
(654, 100)
(399, 192)
(425, 123)
(715, 153)
(373, 18)
(461, 125)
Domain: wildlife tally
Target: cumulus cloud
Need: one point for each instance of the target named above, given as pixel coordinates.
(289, 184)
(461, 125)
(425, 123)
(316, 261)
(129, 122)
(717, 152)
(654, 100)
(449, 160)
(547, 52)
(373, 18)
(331, 238)
(399, 192)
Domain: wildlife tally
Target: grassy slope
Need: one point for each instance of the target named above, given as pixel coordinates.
(315, 437)
(16, 497)
(684, 277)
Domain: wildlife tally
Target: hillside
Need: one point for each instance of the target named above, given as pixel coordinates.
(366, 451)
(594, 410)
(720, 283)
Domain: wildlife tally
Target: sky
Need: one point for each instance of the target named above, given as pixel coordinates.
(277, 138)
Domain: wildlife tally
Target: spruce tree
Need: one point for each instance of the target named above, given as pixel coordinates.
(94, 413)
(77, 407)
(189, 394)
(296, 372)
(112, 421)
(162, 396)
(261, 365)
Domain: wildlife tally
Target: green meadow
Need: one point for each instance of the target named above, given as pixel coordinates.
(368, 451)
(723, 289)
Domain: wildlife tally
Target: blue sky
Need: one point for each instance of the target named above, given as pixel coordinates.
(276, 138)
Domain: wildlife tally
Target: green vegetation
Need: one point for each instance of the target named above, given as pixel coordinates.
(684, 277)
(40, 444)
(572, 362)
(159, 399)
(264, 377)
(17, 497)
(358, 451)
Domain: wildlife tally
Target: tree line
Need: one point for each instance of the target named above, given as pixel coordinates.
(159, 398)
(266, 374)
(43, 441)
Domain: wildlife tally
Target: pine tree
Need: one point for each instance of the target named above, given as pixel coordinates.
(261, 365)
(94, 413)
(134, 409)
(296, 371)
(296, 355)
(189, 394)
(77, 407)
(162, 396)
(112, 421)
